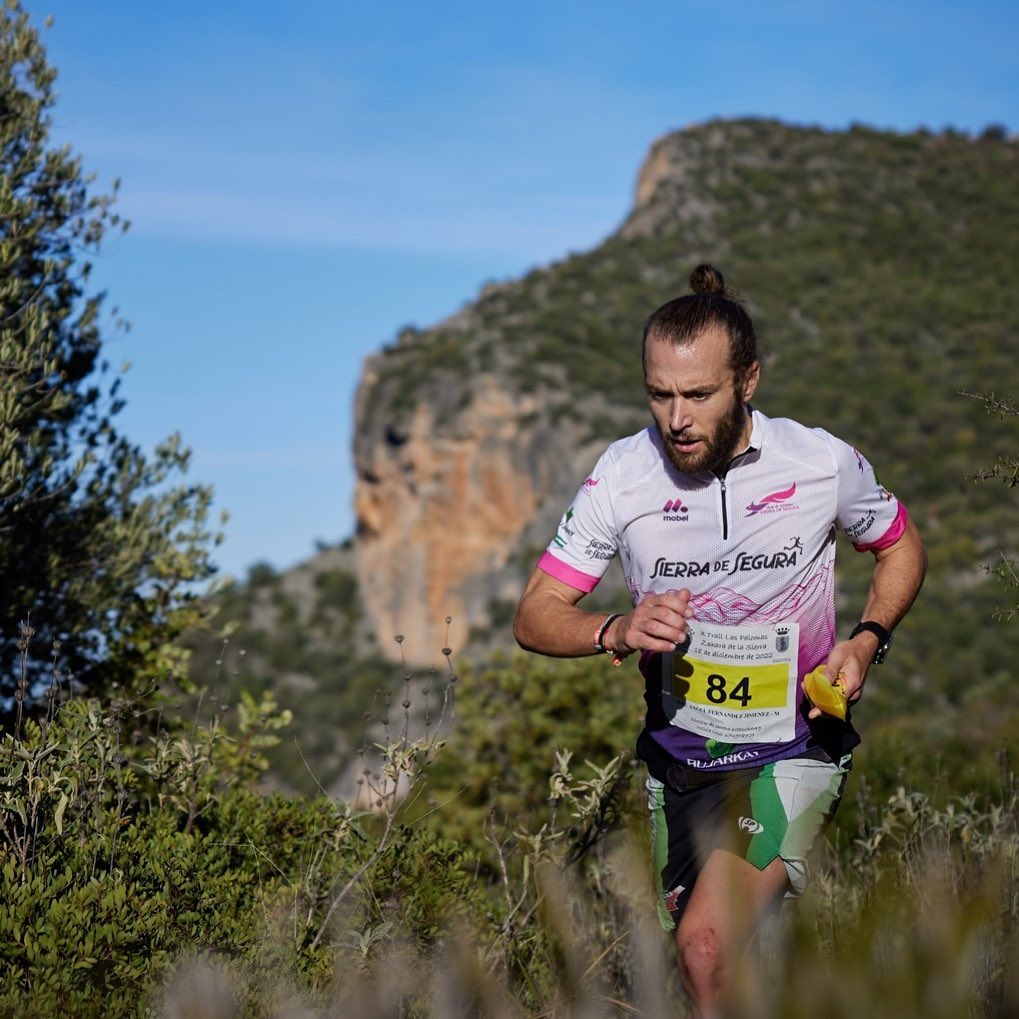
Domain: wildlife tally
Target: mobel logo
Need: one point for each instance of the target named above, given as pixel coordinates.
(674, 511)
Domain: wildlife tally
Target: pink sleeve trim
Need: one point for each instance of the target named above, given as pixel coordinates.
(890, 537)
(567, 574)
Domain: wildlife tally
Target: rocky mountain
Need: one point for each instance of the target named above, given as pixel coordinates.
(879, 268)
(877, 265)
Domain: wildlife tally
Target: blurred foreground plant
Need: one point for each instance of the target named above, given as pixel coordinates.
(390, 774)
(142, 873)
(920, 918)
(918, 921)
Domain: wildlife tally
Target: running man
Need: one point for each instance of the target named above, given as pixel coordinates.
(724, 521)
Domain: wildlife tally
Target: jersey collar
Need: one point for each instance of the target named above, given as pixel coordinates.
(756, 431)
(756, 436)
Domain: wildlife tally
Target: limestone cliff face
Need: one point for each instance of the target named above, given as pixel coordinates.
(433, 509)
(442, 508)
(470, 439)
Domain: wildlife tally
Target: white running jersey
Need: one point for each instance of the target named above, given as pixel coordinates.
(756, 549)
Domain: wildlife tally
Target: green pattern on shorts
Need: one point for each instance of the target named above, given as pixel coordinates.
(659, 847)
(793, 800)
(768, 811)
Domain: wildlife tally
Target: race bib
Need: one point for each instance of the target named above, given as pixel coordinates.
(735, 684)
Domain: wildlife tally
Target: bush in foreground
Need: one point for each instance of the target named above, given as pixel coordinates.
(140, 868)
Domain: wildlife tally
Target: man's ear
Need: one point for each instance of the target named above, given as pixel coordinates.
(750, 380)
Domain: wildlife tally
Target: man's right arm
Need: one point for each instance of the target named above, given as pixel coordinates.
(549, 621)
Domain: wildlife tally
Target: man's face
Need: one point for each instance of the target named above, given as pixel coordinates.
(697, 406)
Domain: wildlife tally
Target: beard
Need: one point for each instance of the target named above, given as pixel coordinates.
(718, 448)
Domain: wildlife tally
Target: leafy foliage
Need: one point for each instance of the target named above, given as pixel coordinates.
(513, 719)
(96, 539)
(118, 897)
(125, 845)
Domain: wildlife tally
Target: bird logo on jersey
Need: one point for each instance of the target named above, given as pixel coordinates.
(773, 501)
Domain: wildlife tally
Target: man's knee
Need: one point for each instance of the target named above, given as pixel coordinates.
(700, 954)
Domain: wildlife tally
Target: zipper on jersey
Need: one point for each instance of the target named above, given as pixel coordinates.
(725, 514)
(721, 481)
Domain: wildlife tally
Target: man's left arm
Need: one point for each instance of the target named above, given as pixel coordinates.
(898, 573)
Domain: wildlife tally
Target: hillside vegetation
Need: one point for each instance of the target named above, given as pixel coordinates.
(143, 874)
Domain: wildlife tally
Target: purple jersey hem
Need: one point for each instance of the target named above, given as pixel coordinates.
(681, 745)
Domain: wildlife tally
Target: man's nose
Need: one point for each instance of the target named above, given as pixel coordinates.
(680, 418)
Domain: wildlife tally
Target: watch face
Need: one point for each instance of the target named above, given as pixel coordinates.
(882, 650)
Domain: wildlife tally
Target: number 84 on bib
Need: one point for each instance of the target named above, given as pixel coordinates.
(736, 684)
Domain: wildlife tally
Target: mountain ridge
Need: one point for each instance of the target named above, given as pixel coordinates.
(878, 267)
(740, 193)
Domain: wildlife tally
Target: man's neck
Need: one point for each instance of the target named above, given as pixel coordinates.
(741, 447)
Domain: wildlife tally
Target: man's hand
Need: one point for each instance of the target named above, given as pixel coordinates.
(849, 661)
(549, 621)
(658, 623)
(898, 574)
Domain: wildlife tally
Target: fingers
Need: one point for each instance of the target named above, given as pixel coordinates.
(852, 674)
(845, 664)
(836, 667)
(659, 622)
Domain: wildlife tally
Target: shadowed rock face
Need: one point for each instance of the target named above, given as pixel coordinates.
(435, 509)
(462, 472)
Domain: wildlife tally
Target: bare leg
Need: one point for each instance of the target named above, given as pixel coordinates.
(726, 903)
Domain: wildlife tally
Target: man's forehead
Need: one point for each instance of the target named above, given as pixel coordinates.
(705, 356)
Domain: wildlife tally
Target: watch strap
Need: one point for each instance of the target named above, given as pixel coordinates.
(884, 638)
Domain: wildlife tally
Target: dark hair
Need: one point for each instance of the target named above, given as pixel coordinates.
(712, 303)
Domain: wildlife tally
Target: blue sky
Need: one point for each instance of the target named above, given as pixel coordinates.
(303, 179)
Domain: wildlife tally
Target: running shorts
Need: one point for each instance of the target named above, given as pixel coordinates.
(776, 810)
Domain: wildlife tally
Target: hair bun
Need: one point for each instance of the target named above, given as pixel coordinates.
(707, 280)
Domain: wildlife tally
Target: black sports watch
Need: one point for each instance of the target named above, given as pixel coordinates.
(884, 638)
